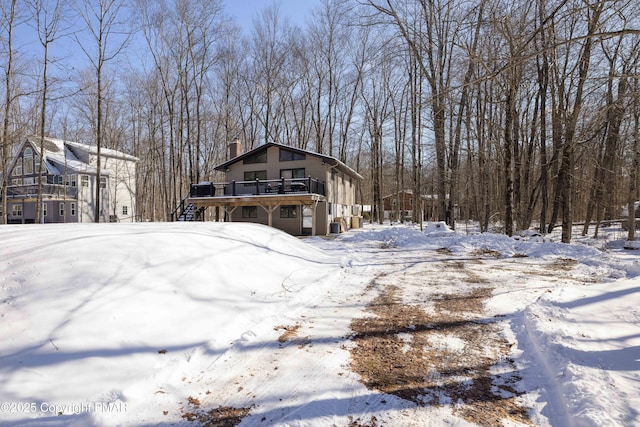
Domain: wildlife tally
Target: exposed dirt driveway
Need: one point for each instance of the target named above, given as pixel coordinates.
(426, 332)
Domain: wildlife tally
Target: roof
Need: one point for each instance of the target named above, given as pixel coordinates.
(107, 152)
(332, 161)
(408, 192)
(57, 158)
(61, 155)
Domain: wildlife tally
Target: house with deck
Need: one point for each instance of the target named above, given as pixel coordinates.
(298, 191)
(69, 179)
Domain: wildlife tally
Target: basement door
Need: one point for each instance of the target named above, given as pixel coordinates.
(307, 220)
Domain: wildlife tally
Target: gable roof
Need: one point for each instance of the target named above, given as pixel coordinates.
(326, 159)
(57, 159)
(407, 192)
(60, 155)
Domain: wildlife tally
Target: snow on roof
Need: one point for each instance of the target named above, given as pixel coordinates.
(59, 155)
(59, 159)
(92, 149)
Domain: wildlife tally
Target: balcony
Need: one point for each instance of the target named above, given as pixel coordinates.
(48, 190)
(267, 187)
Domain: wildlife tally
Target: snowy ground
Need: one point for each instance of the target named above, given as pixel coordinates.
(160, 324)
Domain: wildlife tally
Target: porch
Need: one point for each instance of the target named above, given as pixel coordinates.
(269, 195)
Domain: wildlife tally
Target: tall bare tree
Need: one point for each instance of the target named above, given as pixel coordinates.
(269, 59)
(109, 36)
(429, 29)
(634, 173)
(565, 181)
(47, 16)
(8, 22)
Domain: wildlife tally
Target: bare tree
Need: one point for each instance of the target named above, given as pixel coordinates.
(269, 58)
(568, 100)
(8, 22)
(47, 16)
(105, 26)
(429, 29)
(376, 95)
(634, 173)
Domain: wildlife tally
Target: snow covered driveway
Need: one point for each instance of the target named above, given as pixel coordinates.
(188, 324)
(421, 335)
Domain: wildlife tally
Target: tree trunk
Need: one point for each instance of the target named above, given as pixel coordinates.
(634, 173)
(6, 143)
(508, 157)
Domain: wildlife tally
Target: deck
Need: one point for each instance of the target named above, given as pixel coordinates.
(268, 187)
(268, 194)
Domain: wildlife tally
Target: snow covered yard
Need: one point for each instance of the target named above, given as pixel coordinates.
(189, 323)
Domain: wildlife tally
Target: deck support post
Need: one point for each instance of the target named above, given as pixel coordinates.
(228, 211)
(270, 209)
(313, 217)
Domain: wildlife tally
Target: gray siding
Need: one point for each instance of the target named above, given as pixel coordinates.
(339, 187)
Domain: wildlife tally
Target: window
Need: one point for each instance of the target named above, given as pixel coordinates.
(259, 157)
(16, 181)
(103, 182)
(125, 210)
(73, 209)
(16, 210)
(59, 179)
(292, 173)
(70, 180)
(61, 207)
(289, 155)
(253, 175)
(84, 180)
(288, 211)
(249, 212)
(44, 209)
(28, 161)
(29, 181)
(17, 169)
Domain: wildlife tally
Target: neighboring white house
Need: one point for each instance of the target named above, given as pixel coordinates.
(69, 179)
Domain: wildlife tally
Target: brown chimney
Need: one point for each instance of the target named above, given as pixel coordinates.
(235, 148)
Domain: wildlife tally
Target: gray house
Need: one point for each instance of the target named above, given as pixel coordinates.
(298, 191)
(69, 178)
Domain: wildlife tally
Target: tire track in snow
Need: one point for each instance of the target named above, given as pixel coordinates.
(554, 393)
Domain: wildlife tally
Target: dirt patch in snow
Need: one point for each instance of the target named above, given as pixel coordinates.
(446, 356)
(358, 422)
(222, 416)
(289, 333)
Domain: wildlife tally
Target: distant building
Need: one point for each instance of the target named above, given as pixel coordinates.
(69, 177)
(399, 206)
(298, 191)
